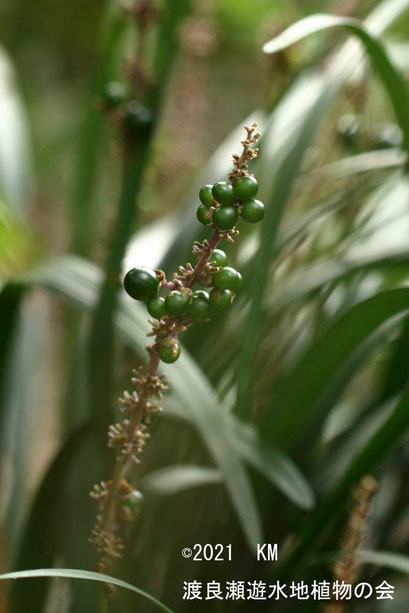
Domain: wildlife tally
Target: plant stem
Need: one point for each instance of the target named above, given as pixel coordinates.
(101, 352)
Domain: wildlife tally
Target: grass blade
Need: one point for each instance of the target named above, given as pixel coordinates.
(72, 573)
(287, 163)
(313, 373)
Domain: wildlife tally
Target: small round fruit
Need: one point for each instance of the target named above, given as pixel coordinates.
(203, 215)
(199, 308)
(138, 119)
(223, 192)
(205, 195)
(220, 299)
(218, 257)
(253, 210)
(141, 283)
(228, 278)
(114, 94)
(245, 188)
(176, 303)
(156, 307)
(133, 500)
(225, 217)
(169, 352)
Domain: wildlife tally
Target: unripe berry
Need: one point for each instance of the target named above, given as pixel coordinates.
(138, 119)
(199, 308)
(169, 351)
(205, 195)
(133, 500)
(253, 210)
(218, 257)
(156, 307)
(114, 94)
(220, 299)
(228, 278)
(176, 303)
(141, 283)
(204, 215)
(225, 217)
(245, 188)
(223, 192)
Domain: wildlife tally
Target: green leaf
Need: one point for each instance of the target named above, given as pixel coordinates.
(317, 367)
(275, 465)
(174, 479)
(77, 280)
(322, 89)
(366, 461)
(385, 559)
(392, 79)
(308, 281)
(71, 573)
(40, 543)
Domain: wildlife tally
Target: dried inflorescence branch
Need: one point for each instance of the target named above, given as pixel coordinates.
(116, 500)
(346, 569)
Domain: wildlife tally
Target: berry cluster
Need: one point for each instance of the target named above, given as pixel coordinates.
(223, 202)
(137, 119)
(194, 294)
(183, 303)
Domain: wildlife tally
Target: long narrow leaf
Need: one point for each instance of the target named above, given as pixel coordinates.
(72, 573)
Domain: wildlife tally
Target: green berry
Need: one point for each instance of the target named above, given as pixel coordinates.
(176, 303)
(220, 299)
(199, 308)
(225, 217)
(169, 352)
(133, 500)
(218, 257)
(114, 94)
(203, 215)
(228, 278)
(253, 210)
(245, 188)
(138, 119)
(223, 192)
(205, 195)
(156, 307)
(141, 283)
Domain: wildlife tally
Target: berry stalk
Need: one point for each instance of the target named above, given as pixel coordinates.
(118, 503)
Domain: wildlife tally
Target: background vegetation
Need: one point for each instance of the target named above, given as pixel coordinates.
(277, 411)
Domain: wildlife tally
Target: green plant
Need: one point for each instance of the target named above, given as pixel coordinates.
(183, 306)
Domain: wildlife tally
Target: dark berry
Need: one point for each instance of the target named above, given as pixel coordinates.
(225, 217)
(133, 500)
(169, 351)
(138, 119)
(156, 307)
(199, 308)
(176, 303)
(218, 257)
(114, 94)
(141, 283)
(252, 210)
(245, 188)
(205, 195)
(228, 278)
(203, 214)
(220, 299)
(223, 192)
